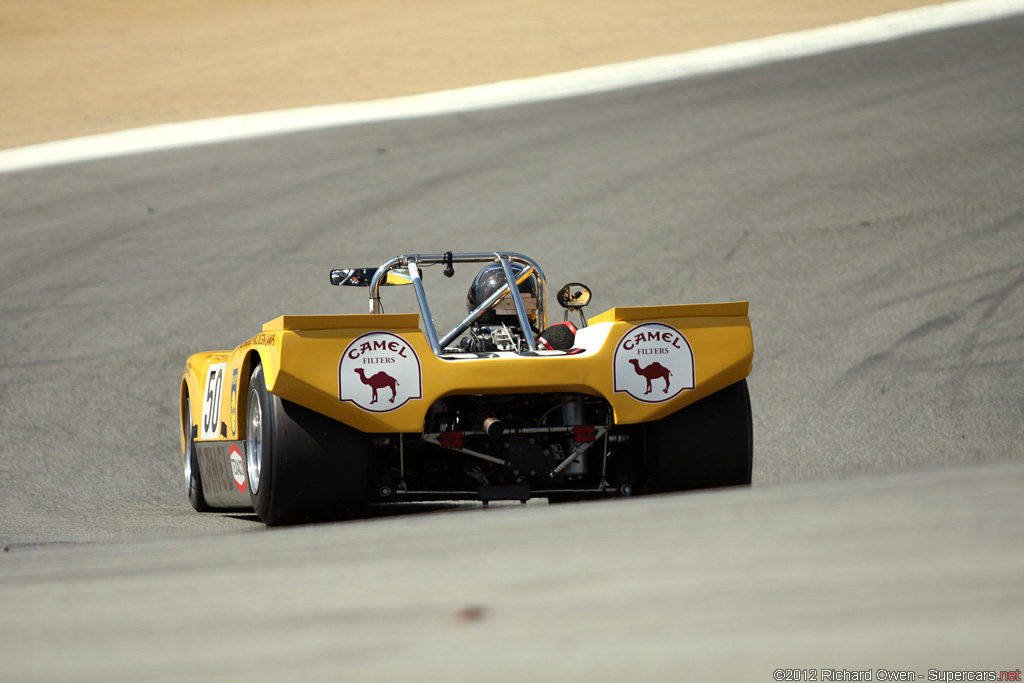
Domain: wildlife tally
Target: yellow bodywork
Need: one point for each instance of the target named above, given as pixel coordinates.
(301, 356)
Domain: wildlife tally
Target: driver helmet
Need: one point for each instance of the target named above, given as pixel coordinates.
(489, 280)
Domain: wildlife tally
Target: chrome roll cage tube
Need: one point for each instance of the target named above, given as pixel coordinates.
(413, 262)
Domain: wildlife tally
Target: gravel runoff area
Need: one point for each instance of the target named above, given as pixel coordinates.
(71, 68)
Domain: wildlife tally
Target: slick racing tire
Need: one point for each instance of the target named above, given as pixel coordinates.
(705, 445)
(193, 480)
(302, 466)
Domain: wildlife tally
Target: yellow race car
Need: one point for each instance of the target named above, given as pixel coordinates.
(320, 416)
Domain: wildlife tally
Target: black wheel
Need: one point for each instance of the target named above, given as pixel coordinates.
(193, 480)
(705, 445)
(302, 466)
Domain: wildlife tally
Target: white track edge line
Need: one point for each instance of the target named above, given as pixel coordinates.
(520, 91)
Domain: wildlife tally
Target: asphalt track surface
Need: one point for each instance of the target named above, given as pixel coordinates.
(867, 203)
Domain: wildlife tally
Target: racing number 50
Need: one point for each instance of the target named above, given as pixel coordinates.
(211, 400)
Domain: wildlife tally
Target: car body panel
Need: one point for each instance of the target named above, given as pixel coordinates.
(301, 356)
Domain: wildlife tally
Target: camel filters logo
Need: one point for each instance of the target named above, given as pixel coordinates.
(379, 372)
(653, 363)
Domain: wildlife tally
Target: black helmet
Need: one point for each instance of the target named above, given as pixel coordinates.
(489, 280)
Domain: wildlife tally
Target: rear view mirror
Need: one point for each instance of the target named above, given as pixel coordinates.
(352, 277)
(361, 277)
(574, 296)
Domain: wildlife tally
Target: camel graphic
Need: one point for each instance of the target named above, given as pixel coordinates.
(652, 371)
(381, 379)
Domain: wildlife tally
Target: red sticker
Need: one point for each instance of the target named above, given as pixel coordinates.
(238, 468)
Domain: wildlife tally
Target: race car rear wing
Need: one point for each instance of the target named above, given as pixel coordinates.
(405, 269)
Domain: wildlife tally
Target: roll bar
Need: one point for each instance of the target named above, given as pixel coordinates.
(413, 262)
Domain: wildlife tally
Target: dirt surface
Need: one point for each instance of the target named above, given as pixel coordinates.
(77, 67)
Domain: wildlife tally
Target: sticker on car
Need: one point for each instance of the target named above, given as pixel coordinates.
(653, 363)
(213, 394)
(380, 372)
(234, 402)
(237, 467)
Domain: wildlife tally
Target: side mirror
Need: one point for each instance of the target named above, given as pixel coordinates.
(361, 277)
(352, 277)
(574, 296)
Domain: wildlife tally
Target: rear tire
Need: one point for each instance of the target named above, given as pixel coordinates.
(705, 445)
(301, 465)
(193, 479)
